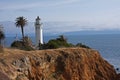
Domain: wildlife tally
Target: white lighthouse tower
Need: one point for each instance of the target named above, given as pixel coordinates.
(38, 32)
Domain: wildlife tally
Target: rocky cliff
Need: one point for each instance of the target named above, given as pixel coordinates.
(55, 64)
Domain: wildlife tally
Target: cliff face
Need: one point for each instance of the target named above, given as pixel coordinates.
(57, 64)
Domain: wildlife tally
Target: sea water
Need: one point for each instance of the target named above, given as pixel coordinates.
(107, 44)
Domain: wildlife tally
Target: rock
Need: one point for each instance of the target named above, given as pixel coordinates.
(22, 77)
(3, 76)
(118, 77)
(1, 49)
(57, 64)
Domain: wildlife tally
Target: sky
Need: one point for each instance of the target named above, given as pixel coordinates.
(105, 13)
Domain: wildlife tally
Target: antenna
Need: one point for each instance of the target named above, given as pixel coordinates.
(16, 37)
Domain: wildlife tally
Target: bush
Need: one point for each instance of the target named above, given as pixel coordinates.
(26, 45)
(21, 45)
(17, 44)
(82, 45)
(56, 43)
(52, 44)
(60, 42)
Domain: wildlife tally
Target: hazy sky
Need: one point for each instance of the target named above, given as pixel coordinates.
(97, 12)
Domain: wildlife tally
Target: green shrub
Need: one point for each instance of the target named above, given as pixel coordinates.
(26, 45)
(60, 42)
(17, 44)
(52, 44)
(21, 45)
(82, 45)
(56, 43)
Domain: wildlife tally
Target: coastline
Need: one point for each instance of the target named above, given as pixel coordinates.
(84, 63)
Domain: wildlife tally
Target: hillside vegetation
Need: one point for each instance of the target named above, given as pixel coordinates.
(60, 42)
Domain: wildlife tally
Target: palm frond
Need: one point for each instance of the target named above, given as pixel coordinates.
(20, 22)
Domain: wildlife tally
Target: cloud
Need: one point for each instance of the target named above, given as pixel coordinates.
(63, 2)
(17, 6)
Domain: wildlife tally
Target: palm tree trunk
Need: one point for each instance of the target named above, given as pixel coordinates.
(22, 32)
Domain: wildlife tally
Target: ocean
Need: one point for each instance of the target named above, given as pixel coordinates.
(107, 44)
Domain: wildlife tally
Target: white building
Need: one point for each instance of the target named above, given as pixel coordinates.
(38, 32)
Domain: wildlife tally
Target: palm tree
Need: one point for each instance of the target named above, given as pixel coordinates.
(21, 22)
(2, 36)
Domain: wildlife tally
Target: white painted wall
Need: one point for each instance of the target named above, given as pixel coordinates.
(38, 33)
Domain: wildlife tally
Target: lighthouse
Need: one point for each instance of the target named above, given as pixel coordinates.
(38, 32)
